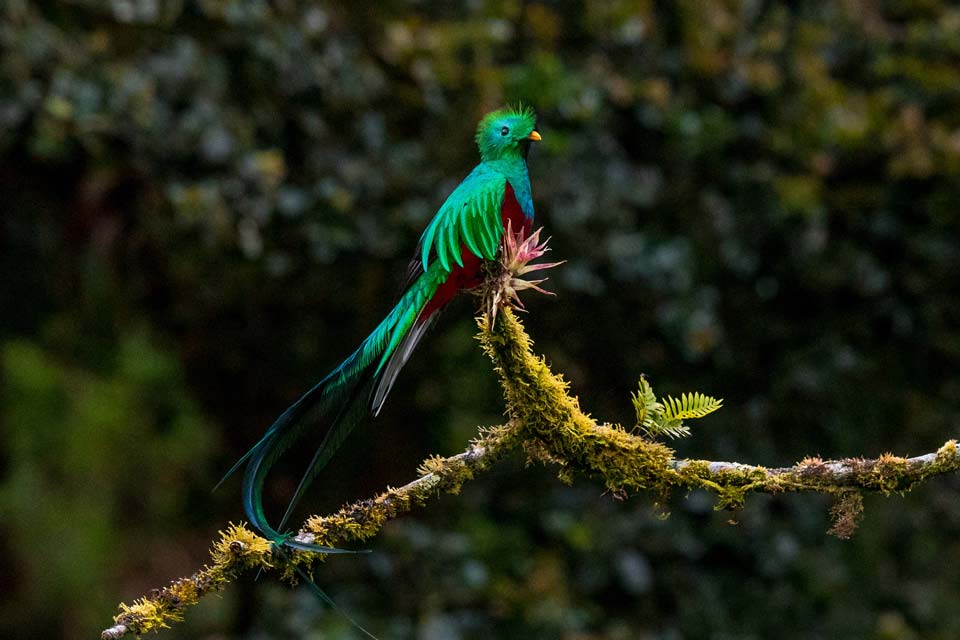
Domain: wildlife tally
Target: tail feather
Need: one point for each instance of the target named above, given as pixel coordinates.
(350, 413)
(322, 595)
(341, 400)
(391, 369)
(259, 464)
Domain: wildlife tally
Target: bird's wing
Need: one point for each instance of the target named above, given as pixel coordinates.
(470, 216)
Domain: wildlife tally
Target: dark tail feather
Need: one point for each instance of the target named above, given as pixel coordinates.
(322, 595)
(359, 385)
(375, 386)
(259, 464)
(388, 375)
(287, 419)
(332, 395)
(352, 411)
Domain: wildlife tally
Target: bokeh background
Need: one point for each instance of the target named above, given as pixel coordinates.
(205, 204)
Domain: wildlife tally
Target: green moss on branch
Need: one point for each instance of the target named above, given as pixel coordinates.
(553, 429)
(546, 422)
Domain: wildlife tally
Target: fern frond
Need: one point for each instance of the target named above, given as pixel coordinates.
(645, 403)
(690, 406)
(672, 429)
(664, 417)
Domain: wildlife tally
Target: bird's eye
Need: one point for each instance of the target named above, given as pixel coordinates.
(504, 131)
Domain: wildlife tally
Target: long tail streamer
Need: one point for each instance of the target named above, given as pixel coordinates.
(356, 388)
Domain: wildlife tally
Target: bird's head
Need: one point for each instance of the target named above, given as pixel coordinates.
(506, 133)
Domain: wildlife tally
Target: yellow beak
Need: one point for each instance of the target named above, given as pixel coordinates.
(534, 136)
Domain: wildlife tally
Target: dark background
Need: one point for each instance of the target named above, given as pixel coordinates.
(207, 204)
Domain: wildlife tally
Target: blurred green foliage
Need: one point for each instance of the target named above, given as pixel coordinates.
(206, 203)
(79, 440)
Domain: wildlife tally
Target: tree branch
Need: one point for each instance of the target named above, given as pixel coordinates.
(546, 422)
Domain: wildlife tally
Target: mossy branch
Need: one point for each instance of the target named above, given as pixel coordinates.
(552, 427)
(546, 422)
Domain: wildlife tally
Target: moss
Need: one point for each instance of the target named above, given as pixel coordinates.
(888, 474)
(433, 464)
(946, 460)
(237, 550)
(241, 548)
(363, 519)
(731, 484)
(549, 425)
(145, 615)
(450, 474)
(846, 514)
(554, 429)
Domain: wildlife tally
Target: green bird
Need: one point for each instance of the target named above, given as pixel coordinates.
(464, 233)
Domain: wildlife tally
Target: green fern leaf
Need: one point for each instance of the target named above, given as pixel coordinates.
(673, 429)
(646, 405)
(664, 417)
(690, 406)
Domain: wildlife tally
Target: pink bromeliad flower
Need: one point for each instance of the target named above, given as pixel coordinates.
(517, 253)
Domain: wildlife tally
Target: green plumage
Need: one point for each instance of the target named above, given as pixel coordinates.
(465, 231)
(471, 215)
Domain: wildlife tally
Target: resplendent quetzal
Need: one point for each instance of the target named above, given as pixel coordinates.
(464, 233)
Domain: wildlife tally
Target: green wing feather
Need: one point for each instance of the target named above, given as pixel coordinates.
(470, 216)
